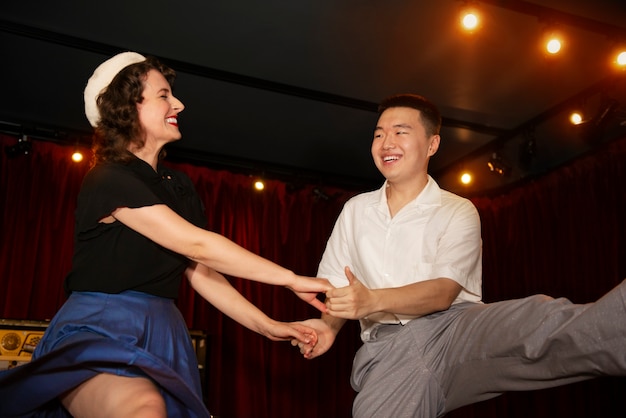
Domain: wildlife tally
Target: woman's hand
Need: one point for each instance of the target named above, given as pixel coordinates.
(307, 289)
(291, 331)
(325, 337)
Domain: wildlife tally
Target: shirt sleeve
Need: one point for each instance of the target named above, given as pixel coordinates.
(459, 249)
(108, 187)
(336, 254)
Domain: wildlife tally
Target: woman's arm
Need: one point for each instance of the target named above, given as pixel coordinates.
(165, 227)
(218, 291)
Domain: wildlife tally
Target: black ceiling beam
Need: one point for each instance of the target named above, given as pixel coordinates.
(530, 124)
(221, 75)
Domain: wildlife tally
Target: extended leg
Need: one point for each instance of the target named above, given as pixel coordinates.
(107, 395)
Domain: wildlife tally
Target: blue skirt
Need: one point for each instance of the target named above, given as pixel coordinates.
(128, 334)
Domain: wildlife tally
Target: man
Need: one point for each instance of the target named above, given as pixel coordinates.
(406, 262)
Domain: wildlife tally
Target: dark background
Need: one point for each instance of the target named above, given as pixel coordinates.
(289, 88)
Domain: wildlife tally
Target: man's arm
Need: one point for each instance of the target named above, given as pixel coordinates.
(356, 301)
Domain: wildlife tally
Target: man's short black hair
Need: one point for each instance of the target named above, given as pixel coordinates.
(431, 118)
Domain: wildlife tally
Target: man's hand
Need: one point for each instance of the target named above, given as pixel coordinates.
(354, 301)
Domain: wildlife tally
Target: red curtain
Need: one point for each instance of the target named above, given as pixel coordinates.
(563, 235)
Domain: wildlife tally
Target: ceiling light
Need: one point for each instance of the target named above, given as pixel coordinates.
(621, 59)
(553, 45)
(469, 17)
(593, 129)
(553, 38)
(470, 20)
(576, 118)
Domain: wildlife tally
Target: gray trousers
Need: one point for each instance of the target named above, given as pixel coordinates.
(473, 352)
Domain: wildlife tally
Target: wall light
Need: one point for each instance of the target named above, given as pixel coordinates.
(466, 178)
(259, 184)
(77, 156)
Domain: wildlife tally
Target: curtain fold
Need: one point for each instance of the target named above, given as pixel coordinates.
(563, 235)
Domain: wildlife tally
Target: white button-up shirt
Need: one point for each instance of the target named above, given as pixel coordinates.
(435, 236)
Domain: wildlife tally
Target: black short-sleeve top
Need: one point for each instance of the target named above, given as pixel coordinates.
(112, 258)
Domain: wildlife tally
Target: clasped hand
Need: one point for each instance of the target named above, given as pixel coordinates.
(351, 302)
(354, 301)
(307, 288)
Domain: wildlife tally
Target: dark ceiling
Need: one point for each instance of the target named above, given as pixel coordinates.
(289, 88)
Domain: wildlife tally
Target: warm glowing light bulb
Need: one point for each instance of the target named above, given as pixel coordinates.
(553, 46)
(466, 178)
(470, 20)
(576, 118)
(621, 59)
(77, 156)
(259, 185)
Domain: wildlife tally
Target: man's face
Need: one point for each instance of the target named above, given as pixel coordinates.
(401, 148)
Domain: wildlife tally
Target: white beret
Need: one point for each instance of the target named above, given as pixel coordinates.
(102, 77)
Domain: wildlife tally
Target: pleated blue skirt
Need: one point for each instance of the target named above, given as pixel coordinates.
(128, 334)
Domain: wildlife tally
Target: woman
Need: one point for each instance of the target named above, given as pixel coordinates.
(119, 347)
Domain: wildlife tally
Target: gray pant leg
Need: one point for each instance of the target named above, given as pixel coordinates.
(392, 379)
(534, 343)
(475, 352)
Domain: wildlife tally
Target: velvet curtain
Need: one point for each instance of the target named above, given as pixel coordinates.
(563, 235)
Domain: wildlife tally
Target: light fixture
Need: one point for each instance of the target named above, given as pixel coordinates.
(466, 178)
(23, 147)
(555, 16)
(469, 17)
(576, 118)
(77, 155)
(497, 165)
(553, 41)
(593, 129)
(259, 184)
(619, 55)
(553, 46)
(470, 21)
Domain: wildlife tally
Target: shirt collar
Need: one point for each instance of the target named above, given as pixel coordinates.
(430, 196)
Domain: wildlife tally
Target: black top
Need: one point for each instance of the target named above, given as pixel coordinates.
(112, 258)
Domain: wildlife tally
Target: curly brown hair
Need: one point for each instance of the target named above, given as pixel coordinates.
(119, 120)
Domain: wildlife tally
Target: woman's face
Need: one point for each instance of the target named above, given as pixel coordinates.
(158, 112)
